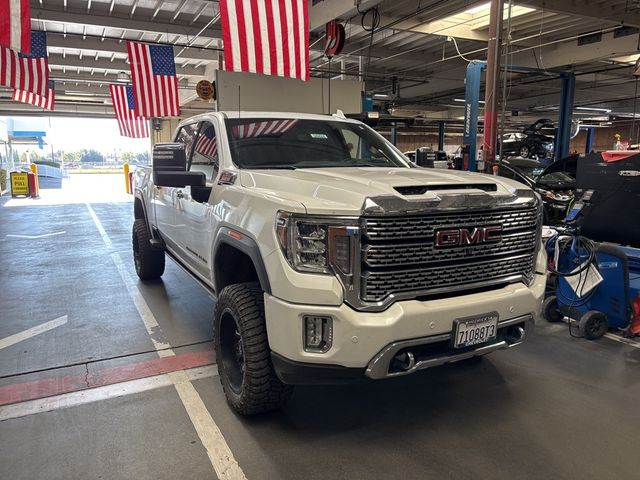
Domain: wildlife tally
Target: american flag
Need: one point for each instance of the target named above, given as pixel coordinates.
(29, 73)
(206, 144)
(131, 125)
(15, 25)
(262, 129)
(155, 85)
(269, 37)
(37, 100)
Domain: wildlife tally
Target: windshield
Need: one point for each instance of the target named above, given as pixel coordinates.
(296, 143)
(531, 171)
(556, 177)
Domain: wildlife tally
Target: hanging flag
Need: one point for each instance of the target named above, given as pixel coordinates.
(131, 124)
(29, 73)
(155, 85)
(269, 37)
(15, 25)
(45, 102)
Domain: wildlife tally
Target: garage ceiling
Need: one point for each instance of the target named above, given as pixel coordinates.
(598, 40)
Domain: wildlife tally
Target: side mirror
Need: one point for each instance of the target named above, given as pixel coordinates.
(170, 167)
(169, 157)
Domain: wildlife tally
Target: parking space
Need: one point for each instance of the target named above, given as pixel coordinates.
(96, 397)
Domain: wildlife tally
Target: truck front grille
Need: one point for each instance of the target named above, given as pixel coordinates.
(399, 255)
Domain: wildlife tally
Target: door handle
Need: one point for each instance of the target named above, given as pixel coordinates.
(179, 194)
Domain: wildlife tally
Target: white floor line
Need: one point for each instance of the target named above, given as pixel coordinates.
(220, 455)
(82, 397)
(32, 332)
(33, 237)
(626, 341)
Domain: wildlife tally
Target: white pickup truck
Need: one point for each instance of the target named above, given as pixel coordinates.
(332, 257)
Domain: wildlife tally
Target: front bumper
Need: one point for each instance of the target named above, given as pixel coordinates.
(368, 341)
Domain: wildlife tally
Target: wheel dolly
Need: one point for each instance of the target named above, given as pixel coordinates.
(596, 284)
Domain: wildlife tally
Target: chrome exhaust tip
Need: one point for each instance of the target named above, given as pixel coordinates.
(516, 334)
(405, 361)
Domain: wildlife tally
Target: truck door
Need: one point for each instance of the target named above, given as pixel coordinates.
(195, 218)
(165, 197)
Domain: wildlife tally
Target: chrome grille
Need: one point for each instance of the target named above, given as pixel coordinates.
(399, 255)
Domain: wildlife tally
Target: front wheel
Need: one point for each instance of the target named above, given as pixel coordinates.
(242, 352)
(524, 151)
(593, 325)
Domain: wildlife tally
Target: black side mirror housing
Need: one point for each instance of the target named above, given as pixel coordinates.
(179, 179)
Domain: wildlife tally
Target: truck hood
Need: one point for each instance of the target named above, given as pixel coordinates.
(344, 191)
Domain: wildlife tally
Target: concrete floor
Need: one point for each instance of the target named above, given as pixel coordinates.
(557, 407)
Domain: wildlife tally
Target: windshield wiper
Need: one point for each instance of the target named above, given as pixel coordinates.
(272, 167)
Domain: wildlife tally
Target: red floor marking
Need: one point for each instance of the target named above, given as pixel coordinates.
(48, 387)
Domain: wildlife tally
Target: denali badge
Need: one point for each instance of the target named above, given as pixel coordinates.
(468, 236)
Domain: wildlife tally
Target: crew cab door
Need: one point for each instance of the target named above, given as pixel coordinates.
(195, 219)
(165, 197)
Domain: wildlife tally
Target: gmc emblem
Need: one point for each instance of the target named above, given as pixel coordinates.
(468, 236)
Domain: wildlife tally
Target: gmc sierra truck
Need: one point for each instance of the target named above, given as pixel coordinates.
(332, 257)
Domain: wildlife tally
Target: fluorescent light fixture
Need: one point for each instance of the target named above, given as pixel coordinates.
(381, 95)
(593, 109)
(478, 8)
(462, 100)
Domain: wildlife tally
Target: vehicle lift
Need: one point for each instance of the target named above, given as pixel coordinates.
(471, 108)
(612, 301)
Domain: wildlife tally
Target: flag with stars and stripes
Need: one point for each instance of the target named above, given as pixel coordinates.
(269, 37)
(206, 144)
(47, 102)
(15, 25)
(262, 129)
(130, 124)
(28, 73)
(153, 75)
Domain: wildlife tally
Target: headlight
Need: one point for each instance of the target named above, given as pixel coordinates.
(316, 244)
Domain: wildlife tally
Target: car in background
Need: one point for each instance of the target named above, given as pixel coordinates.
(531, 142)
(556, 183)
(439, 158)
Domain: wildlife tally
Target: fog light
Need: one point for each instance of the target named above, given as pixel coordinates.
(318, 333)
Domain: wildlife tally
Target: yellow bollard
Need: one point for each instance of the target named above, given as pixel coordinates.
(126, 178)
(34, 168)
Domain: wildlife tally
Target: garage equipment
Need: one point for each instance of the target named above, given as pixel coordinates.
(596, 284)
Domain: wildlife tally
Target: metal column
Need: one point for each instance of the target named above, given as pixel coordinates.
(491, 83)
(472, 97)
(394, 135)
(564, 120)
(590, 134)
(441, 135)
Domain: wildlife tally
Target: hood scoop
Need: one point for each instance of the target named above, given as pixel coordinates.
(422, 189)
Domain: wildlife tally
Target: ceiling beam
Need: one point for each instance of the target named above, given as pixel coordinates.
(139, 23)
(109, 45)
(614, 13)
(117, 65)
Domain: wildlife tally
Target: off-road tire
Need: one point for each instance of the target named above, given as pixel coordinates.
(593, 325)
(250, 382)
(149, 262)
(550, 309)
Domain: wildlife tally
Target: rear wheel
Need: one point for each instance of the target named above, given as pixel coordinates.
(593, 325)
(242, 352)
(149, 262)
(550, 309)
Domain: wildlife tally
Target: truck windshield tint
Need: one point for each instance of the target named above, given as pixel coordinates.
(295, 143)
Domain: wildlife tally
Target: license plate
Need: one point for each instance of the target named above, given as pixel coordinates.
(475, 330)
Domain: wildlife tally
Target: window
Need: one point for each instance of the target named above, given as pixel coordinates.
(205, 153)
(186, 136)
(298, 143)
